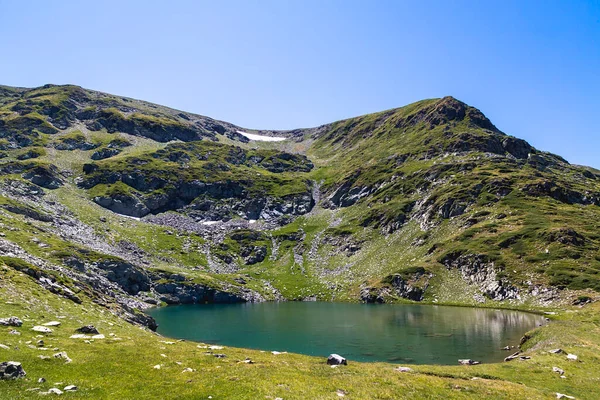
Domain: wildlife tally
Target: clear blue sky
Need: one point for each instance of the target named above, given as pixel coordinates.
(533, 67)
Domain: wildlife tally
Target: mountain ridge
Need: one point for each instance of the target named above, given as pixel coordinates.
(110, 206)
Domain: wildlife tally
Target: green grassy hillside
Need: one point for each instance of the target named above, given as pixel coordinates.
(110, 205)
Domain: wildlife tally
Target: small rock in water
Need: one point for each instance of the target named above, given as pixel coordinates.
(11, 370)
(468, 361)
(41, 329)
(11, 321)
(556, 369)
(572, 357)
(70, 388)
(88, 329)
(403, 369)
(336, 359)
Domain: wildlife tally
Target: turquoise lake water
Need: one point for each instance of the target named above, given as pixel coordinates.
(408, 334)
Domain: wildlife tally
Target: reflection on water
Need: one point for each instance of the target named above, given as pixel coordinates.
(396, 333)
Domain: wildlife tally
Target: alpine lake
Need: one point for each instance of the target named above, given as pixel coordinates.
(409, 334)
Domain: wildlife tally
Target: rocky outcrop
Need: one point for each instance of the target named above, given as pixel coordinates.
(159, 128)
(191, 293)
(123, 204)
(480, 270)
(207, 201)
(568, 236)
(411, 289)
(44, 176)
(129, 277)
(409, 284)
(105, 153)
(561, 193)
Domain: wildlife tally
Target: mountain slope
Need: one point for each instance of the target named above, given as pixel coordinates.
(125, 204)
(451, 197)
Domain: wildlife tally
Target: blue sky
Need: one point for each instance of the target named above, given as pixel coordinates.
(533, 67)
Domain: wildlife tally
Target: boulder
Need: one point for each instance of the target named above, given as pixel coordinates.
(41, 329)
(564, 396)
(11, 370)
(468, 361)
(558, 370)
(336, 359)
(70, 388)
(88, 329)
(11, 321)
(512, 356)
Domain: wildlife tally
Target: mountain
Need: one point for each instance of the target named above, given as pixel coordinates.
(116, 205)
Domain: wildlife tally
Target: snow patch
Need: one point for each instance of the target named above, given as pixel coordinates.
(210, 222)
(262, 138)
(128, 216)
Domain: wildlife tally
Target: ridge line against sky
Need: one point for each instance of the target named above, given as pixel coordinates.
(531, 67)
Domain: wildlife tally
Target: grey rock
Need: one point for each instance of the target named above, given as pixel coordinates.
(512, 356)
(336, 359)
(11, 321)
(11, 370)
(88, 330)
(468, 361)
(63, 356)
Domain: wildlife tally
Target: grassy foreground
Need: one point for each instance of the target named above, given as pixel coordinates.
(122, 365)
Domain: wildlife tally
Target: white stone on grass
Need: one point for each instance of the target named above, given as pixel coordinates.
(41, 329)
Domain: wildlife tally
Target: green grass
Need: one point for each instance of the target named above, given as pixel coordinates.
(121, 365)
